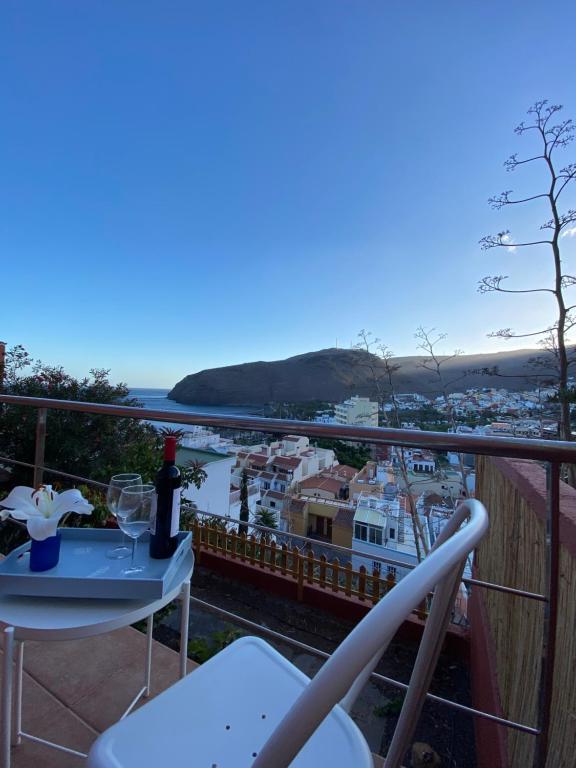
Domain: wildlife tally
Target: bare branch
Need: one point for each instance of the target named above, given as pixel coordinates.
(568, 174)
(508, 333)
(489, 284)
(503, 199)
(512, 163)
(560, 135)
(567, 281)
(502, 240)
(564, 220)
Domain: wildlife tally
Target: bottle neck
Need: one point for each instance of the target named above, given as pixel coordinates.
(169, 450)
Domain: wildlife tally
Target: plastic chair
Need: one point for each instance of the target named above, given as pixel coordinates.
(249, 706)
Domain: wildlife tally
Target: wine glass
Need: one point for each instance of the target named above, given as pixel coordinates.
(133, 513)
(115, 486)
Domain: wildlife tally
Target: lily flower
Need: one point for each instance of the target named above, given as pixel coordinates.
(42, 509)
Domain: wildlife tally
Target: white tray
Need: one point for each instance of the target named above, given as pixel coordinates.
(84, 571)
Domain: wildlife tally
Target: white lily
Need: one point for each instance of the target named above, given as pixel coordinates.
(43, 509)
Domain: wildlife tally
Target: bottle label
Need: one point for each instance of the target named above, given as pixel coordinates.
(153, 511)
(175, 523)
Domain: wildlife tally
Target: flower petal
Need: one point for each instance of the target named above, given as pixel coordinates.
(41, 528)
(71, 501)
(23, 514)
(20, 498)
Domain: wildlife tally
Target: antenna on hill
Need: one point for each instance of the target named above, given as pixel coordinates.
(336, 342)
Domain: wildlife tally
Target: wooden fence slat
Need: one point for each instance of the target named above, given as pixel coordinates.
(362, 583)
(335, 572)
(295, 561)
(375, 585)
(273, 555)
(263, 548)
(252, 549)
(348, 579)
(323, 571)
(310, 566)
(283, 559)
(300, 590)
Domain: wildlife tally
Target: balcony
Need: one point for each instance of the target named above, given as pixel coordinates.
(517, 641)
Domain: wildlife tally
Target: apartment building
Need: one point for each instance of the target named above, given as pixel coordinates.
(357, 411)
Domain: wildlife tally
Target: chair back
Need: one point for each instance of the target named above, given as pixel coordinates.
(343, 675)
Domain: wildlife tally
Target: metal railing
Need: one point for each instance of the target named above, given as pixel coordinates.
(552, 452)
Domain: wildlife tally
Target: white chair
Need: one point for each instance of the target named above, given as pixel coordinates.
(249, 706)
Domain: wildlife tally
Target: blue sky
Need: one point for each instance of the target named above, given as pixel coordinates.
(191, 184)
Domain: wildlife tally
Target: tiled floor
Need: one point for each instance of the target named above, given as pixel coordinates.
(73, 690)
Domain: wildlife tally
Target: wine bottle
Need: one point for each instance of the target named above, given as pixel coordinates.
(165, 521)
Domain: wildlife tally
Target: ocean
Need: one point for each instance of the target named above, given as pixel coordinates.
(156, 399)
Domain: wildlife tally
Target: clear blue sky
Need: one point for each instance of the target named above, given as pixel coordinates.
(191, 184)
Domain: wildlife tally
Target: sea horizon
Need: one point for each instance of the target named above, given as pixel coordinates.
(156, 398)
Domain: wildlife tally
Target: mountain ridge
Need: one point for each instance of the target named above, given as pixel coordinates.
(333, 375)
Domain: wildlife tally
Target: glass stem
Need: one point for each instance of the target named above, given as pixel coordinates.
(134, 543)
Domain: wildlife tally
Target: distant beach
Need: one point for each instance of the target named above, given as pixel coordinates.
(157, 399)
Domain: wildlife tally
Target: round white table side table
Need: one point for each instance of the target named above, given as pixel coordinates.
(56, 618)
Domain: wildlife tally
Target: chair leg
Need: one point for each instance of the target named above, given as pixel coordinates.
(17, 738)
(7, 695)
(184, 619)
(148, 672)
(430, 647)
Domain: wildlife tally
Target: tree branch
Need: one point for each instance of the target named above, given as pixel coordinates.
(561, 222)
(503, 199)
(512, 162)
(507, 333)
(493, 283)
(502, 240)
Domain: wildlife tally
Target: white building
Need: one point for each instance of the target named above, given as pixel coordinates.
(357, 411)
(381, 529)
(213, 496)
(204, 439)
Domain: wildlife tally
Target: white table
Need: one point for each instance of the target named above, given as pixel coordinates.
(43, 618)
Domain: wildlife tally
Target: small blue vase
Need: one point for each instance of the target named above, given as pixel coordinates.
(45, 554)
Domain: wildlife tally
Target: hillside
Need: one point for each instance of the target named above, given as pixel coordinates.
(335, 374)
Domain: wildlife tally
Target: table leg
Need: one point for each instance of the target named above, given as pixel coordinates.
(17, 739)
(149, 628)
(184, 618)
(7, 695)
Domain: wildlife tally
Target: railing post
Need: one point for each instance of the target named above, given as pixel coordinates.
(550, 612)
(40, 447)
(2, 363)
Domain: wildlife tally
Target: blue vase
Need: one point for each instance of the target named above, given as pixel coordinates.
(45, 554)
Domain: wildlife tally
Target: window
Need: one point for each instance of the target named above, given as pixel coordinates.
(266, 486)
(392, 533)
(375, 535)
(376, 566)
(391, 571)
(272, 503)
(360, 532)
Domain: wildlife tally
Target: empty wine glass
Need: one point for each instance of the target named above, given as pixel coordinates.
(115, 486)
(133, 515)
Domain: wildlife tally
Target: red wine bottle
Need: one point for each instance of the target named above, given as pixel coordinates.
(164, 524)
